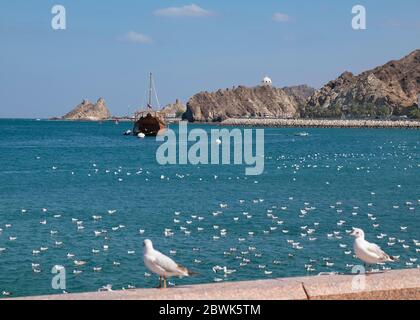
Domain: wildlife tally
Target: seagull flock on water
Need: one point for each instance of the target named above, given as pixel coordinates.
(165, 267)
(297, 236)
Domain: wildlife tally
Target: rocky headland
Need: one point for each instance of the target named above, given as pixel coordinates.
(260, 101)
(383, 92)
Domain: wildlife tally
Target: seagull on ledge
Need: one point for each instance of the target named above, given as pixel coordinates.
(162, 265)
(369, 253)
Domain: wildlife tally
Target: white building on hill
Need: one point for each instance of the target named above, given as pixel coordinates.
(266, 81)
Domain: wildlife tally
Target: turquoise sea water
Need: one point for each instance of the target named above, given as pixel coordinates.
(290, 221)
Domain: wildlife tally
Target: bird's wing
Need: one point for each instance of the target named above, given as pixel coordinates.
(166, 263)
(186, 271)
(375, 249)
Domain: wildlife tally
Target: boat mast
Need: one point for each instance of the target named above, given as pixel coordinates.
(150, 91)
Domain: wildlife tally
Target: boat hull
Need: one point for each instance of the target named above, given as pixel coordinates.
(149, 125)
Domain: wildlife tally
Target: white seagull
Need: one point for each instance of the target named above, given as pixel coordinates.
(162, 265)
(369, 253)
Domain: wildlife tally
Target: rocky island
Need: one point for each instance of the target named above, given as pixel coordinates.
(89, 111)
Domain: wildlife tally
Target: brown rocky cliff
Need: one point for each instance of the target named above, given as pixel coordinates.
(260, 101)
(391, 88)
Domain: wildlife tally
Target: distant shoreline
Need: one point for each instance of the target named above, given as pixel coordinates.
(322, 123)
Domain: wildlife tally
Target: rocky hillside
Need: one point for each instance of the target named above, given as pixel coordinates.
(89, 111)
(300, 93)
(260, 101)
(175, 110)
(385, 90)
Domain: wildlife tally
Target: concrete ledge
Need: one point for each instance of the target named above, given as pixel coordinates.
(390, 285)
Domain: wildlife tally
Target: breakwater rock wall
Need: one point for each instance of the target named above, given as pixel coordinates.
(322, 123)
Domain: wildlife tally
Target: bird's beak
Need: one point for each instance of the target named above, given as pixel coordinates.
(353, 233)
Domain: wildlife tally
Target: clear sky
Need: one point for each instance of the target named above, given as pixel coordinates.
(110, 46)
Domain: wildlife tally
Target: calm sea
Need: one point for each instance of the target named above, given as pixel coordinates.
(290, 221)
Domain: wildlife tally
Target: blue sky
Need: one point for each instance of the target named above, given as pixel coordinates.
(110, 46)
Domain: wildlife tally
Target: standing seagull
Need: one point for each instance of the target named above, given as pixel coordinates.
(369, 253)
(162, 265)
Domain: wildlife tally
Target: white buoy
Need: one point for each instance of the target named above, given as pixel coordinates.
(141, 135)
(218, 141)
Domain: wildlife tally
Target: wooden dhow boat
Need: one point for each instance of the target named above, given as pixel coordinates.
(149, 122)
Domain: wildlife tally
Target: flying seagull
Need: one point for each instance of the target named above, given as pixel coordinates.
(162, 265)
(369, 253)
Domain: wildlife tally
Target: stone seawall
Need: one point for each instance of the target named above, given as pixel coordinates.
(390, 285)
(322, 123)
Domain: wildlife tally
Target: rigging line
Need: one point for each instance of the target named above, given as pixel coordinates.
(154, 89)
(144, 100)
